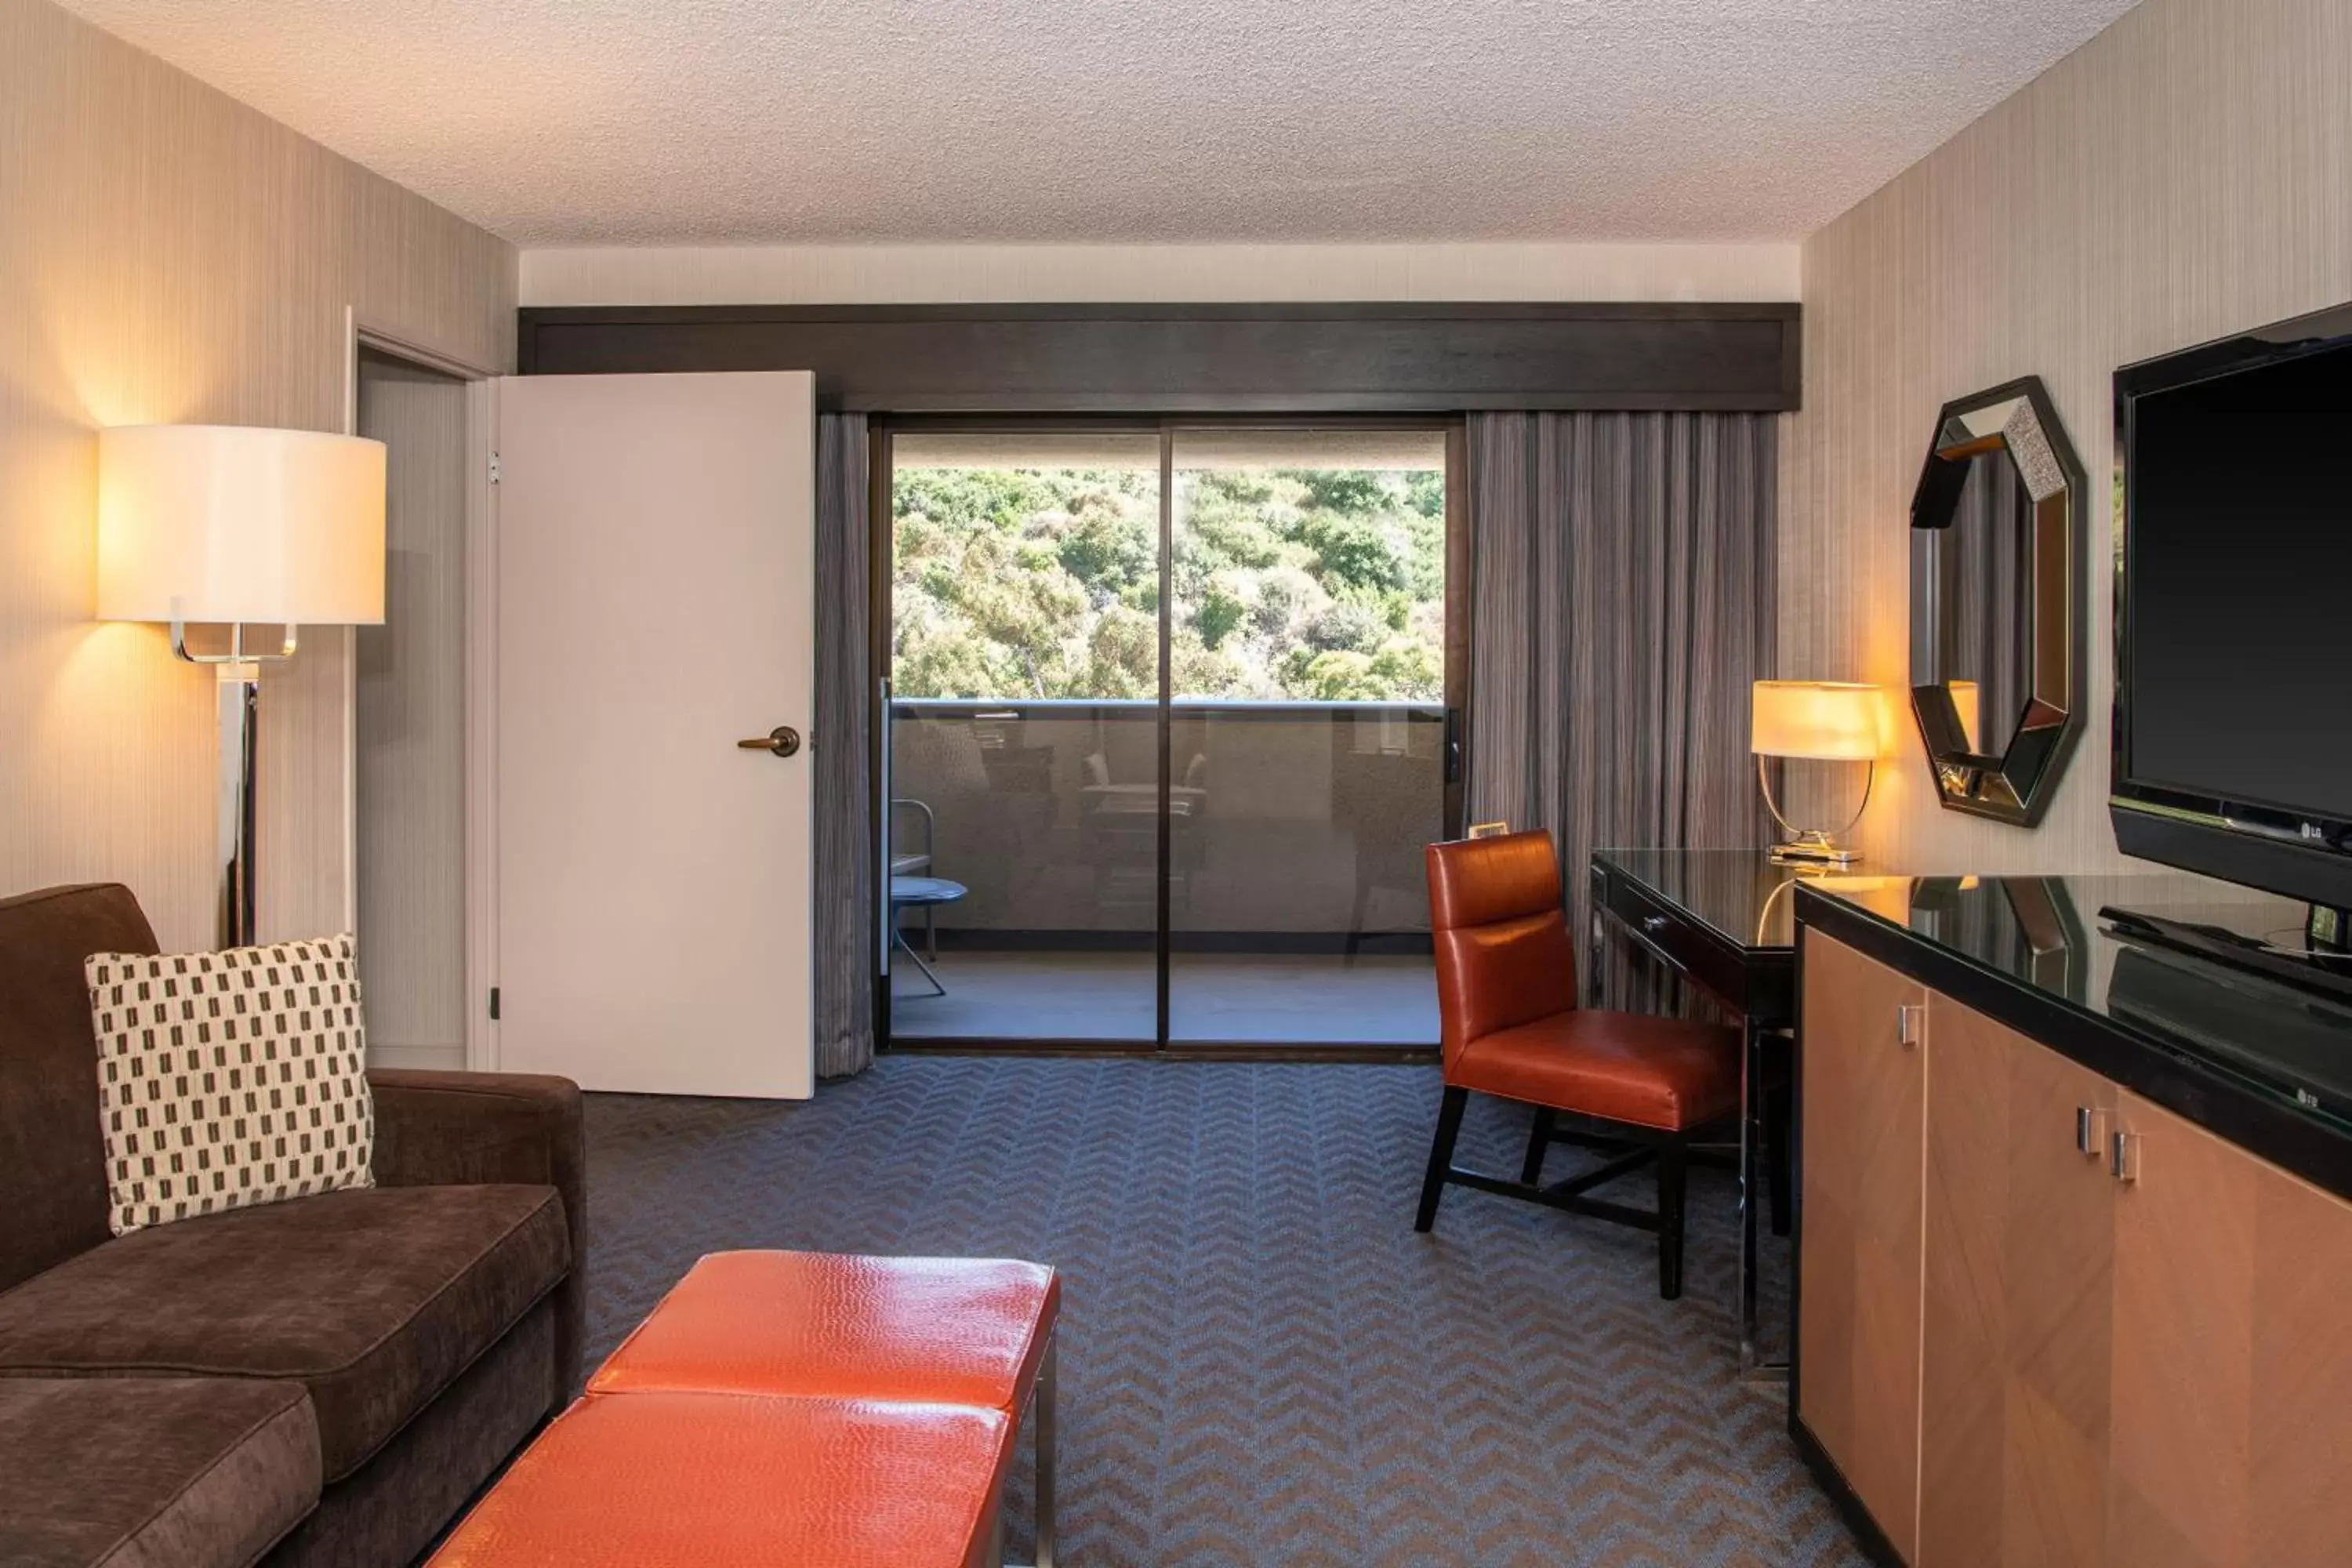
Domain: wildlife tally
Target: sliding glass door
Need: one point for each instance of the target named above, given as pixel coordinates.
(1307, 721)
(1023, 736)
(1168, 726)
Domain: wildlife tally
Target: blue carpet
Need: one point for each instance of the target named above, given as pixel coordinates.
(1261, 1363)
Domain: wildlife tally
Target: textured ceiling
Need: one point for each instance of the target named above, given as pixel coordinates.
(623, 121)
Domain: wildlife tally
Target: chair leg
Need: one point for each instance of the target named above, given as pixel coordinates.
(1538, 1141)
(1673, 1157)
(938, 988)
(1440, 1154)
(1044, 1417)
(1354, 941)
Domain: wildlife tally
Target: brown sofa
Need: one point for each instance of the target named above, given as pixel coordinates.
(322, 1381)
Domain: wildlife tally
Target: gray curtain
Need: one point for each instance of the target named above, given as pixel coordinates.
(1623, 572)
(842, 883)
(1985, 566)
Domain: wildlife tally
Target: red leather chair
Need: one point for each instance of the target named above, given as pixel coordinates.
(1511, 1028)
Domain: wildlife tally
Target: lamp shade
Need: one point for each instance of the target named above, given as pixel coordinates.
(1832, 719)
(221, 523)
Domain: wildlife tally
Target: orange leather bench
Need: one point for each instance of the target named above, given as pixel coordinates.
(797, 1407)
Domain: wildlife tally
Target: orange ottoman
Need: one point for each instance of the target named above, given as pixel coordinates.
(944, 1331)
(715, 1480)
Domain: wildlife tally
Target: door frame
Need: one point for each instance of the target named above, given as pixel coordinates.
(881, 427)
(364, 331)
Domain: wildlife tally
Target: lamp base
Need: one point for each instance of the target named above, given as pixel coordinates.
(1813, 849)
(1812, 846)
(237, 692)
(239, 709)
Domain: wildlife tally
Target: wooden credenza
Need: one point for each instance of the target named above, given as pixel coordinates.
(2044, 1321)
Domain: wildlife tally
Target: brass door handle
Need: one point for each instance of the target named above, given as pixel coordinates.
(783, 741)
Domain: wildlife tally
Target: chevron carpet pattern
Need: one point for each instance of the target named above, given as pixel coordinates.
(1261, 1363)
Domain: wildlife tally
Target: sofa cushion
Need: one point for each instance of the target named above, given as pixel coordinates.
(373, 1298)
(52, 1156)
(138, 1472)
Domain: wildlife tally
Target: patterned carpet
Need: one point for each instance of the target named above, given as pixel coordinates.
(1261, 1363)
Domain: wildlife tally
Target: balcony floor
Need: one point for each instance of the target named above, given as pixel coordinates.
(1213, 998)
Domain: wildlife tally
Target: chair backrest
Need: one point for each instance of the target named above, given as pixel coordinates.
(52, 1149)
(1503, 954)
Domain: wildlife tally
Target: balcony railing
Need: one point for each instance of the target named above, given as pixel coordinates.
(1292, 827)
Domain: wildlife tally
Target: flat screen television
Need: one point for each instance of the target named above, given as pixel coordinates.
(2233, 613)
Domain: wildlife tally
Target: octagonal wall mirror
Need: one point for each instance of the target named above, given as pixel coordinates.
(1998, 638)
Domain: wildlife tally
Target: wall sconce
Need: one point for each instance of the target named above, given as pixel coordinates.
(1827, 721)
(218, 524)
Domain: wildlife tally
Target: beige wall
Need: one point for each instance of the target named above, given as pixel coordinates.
(169, 255)
(2184, 174)
(903, 274)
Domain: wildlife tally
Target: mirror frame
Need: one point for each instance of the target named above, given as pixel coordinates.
(2014, 785)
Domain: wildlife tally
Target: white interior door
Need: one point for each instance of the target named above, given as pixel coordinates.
(655, 559)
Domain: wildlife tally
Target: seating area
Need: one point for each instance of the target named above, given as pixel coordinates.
(1507, 987)
(848, 1411)
(328, 1378)
(1175, 783)
(325, 1378)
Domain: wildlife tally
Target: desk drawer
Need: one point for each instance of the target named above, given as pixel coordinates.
(1701, 954)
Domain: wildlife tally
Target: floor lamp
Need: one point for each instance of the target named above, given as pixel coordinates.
(235, 526)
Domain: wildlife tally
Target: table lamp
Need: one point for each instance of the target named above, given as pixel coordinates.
(1826, 720)
(218, 524)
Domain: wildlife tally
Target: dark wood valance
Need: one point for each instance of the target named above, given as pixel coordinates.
(1192, 358)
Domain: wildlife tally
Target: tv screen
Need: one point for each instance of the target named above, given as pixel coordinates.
(2237, 640)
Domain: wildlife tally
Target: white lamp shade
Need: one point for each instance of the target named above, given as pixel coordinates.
(1832, 719)
(221, 523)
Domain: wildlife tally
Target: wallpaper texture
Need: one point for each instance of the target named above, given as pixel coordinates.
(168, 256)
(2186, 175)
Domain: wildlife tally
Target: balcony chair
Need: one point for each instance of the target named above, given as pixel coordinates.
(911, 889)
(1511, 1028)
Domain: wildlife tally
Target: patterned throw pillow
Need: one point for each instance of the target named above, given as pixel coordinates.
(229, 1079)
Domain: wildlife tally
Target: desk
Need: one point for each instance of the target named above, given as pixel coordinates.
(1724, 919)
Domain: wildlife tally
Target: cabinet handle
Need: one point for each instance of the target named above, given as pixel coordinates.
(1910, 1024)
(2123, 1155)
(2087, 1118)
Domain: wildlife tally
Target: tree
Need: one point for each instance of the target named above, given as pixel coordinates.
(1123, 655)
(1219, 612)
(1355, 549)
(1317, 584)
(1108, 548)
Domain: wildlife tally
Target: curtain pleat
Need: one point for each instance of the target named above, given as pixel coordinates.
(1622, 587)
(1983, 564)
(842, 882)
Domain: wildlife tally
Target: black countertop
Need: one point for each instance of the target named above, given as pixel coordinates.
(1739, 893)
(2266, 1065)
